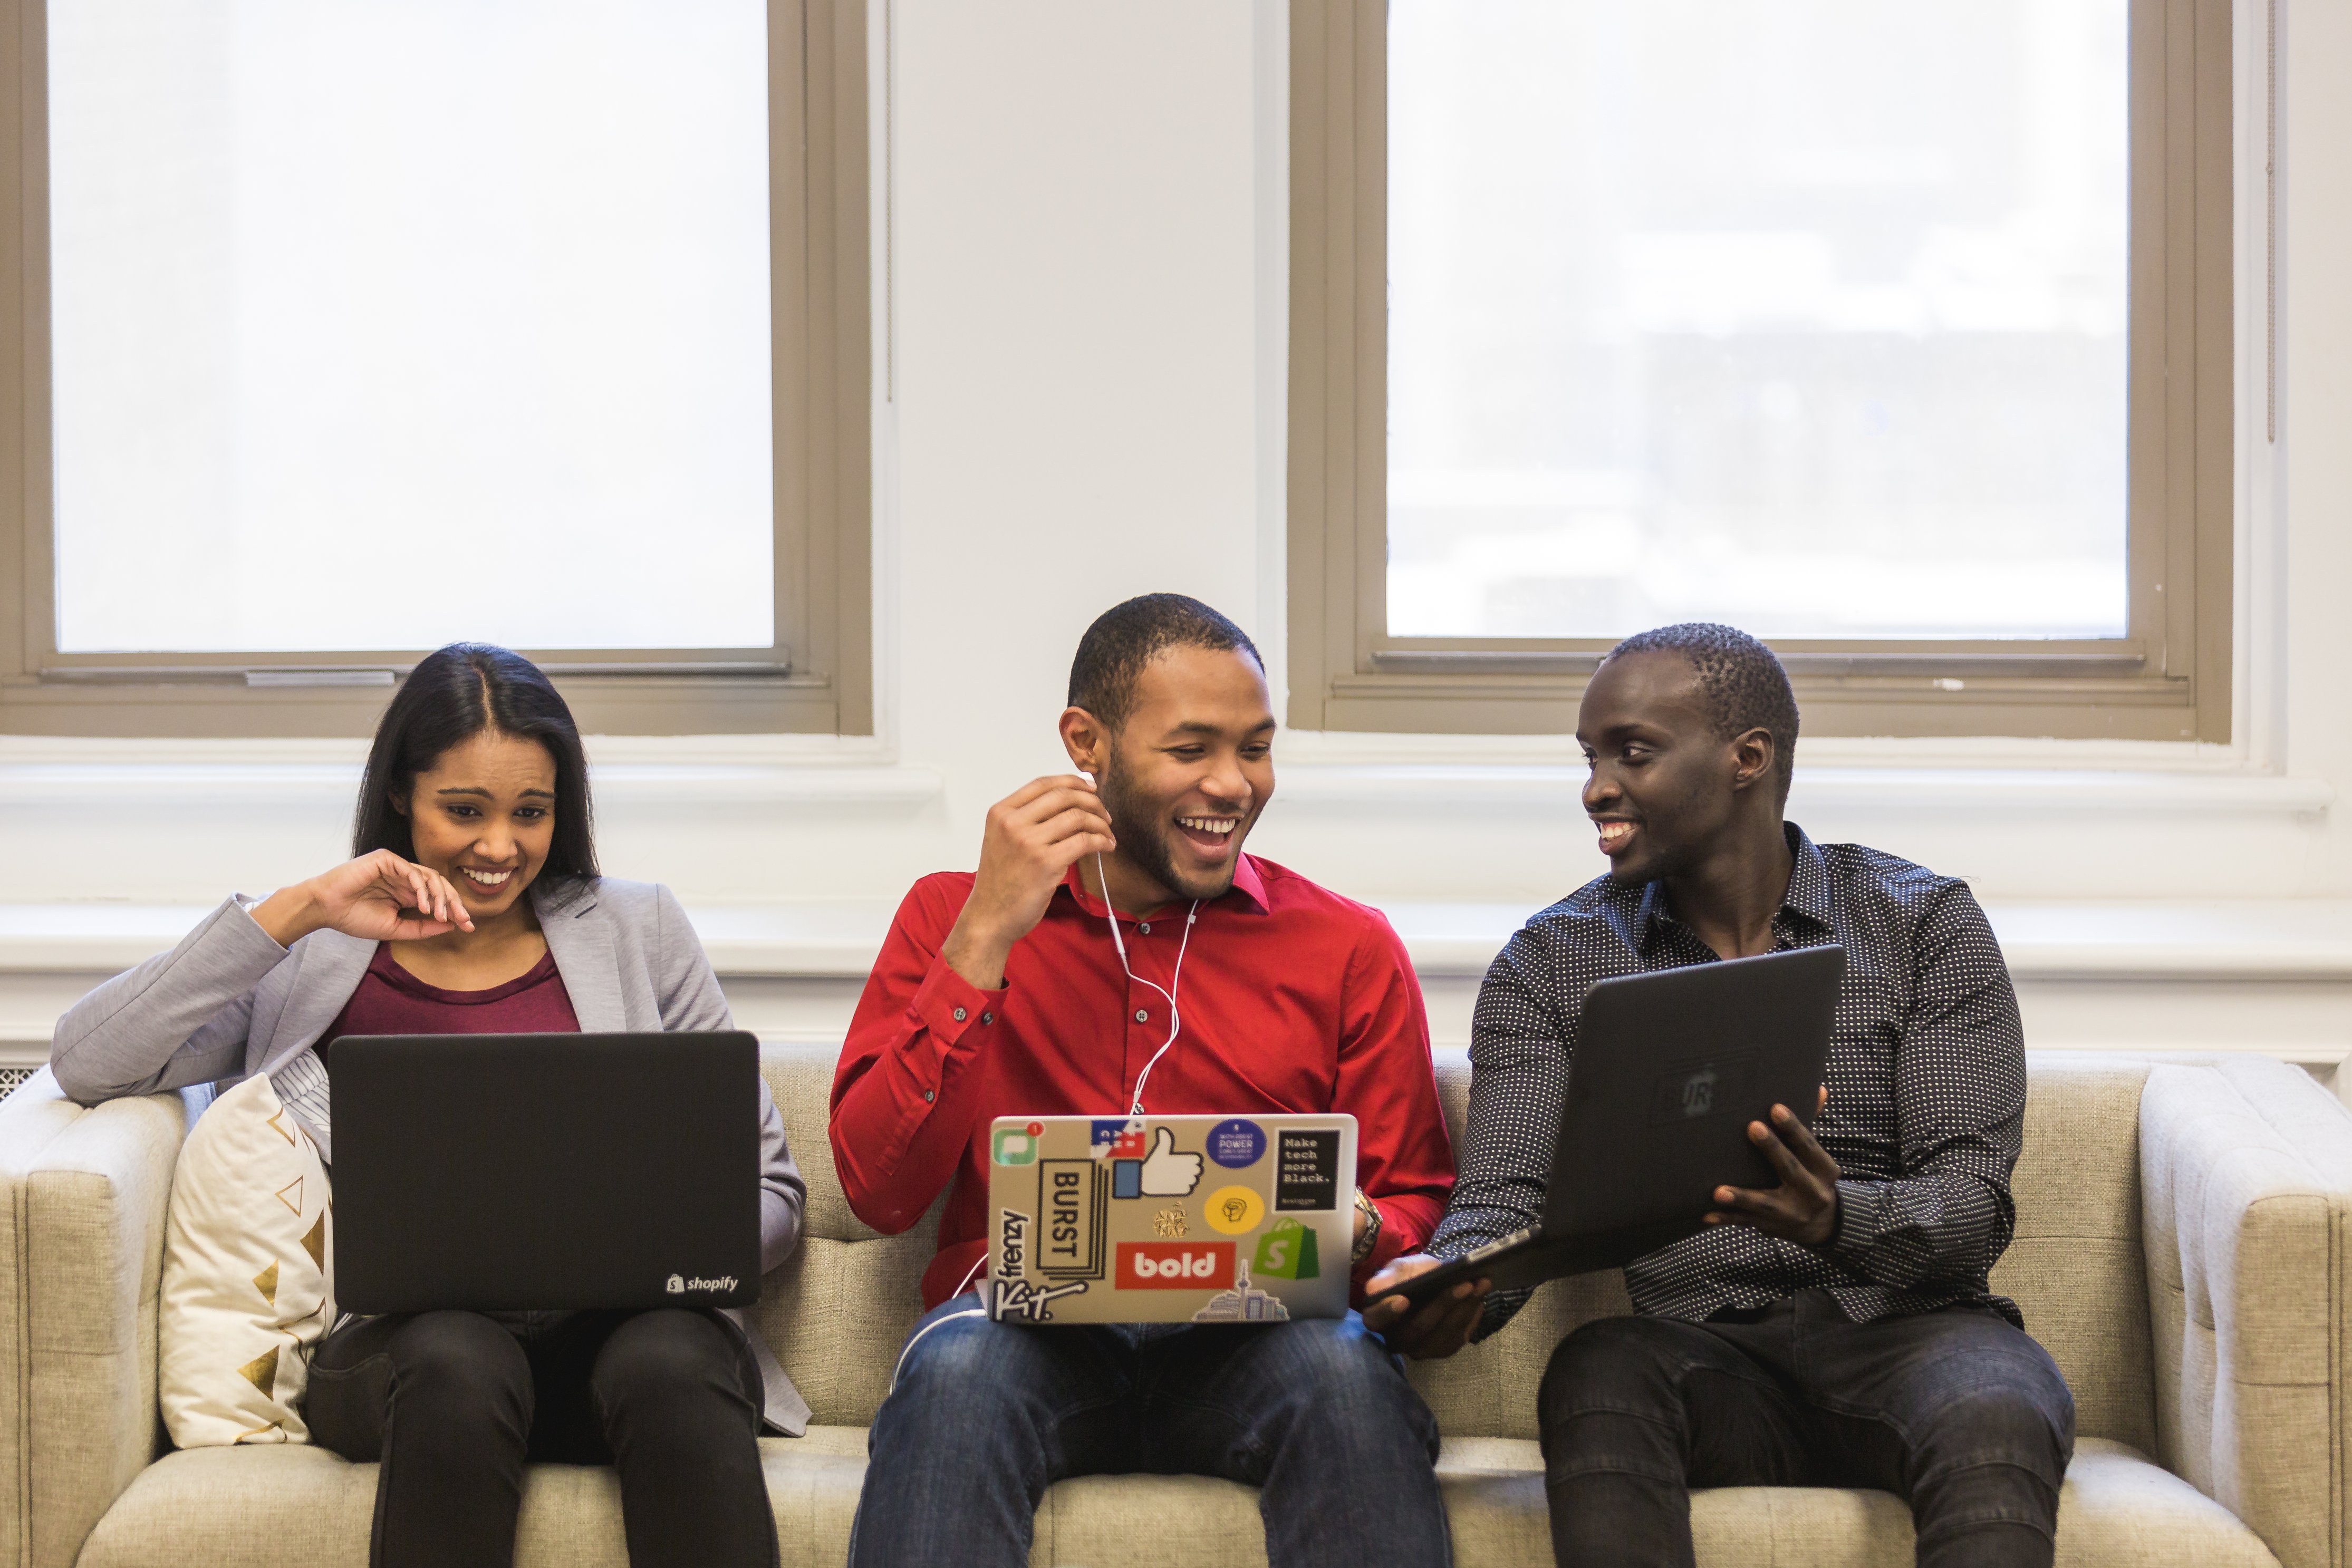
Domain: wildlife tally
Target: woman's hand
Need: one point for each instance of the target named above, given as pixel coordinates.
(379, 897)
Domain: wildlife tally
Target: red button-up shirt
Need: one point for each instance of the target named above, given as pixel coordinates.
(1293, 1000)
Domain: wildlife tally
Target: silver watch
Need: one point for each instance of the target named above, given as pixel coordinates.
(1371, 1238)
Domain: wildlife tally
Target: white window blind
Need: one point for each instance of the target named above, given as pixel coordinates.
(383, 323)
(1808, 317)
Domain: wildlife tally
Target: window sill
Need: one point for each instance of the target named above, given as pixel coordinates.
(700, 770)
(2248, 940)
(2238, 940)
(1419, 786)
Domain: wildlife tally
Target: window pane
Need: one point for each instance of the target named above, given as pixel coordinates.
(1808, 317)
(380, 323)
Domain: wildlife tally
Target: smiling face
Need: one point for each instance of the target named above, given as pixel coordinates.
(484, 816)
(1666, 786)
(1187, 775)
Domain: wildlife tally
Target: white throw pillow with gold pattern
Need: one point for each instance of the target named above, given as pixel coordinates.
(249, 1288)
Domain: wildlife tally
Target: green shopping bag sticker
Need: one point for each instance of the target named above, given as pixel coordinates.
(1287, 1251)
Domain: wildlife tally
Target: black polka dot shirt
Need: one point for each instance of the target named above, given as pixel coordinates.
(1926, 1081)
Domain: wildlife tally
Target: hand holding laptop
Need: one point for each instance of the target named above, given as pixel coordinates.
(1654, 1118)
(1803, 1208)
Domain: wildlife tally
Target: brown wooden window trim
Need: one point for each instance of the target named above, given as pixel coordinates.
(2167, 679)
(819, 674)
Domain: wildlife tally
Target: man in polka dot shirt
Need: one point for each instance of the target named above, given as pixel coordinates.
(1840, 1329)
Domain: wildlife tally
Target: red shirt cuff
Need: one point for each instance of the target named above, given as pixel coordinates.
(951, 1006)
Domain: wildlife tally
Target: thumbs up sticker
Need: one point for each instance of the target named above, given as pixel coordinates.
(1166, 1173)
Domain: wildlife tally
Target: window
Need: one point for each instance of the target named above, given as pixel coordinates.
(362, 326)
(1898, 336)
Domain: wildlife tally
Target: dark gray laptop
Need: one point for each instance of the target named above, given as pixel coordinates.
(511, 1172)
(1670, 1068)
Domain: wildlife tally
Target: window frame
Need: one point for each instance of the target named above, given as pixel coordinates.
(816, 677)
(2169, 678)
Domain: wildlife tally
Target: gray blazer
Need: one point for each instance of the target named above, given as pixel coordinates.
(228, 1002)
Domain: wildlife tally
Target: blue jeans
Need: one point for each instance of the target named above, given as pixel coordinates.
(1957, 1411)
(984, 1417)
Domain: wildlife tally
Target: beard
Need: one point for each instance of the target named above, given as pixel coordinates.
(1142, 835)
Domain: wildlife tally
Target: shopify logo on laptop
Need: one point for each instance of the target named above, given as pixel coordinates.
(679, 1285)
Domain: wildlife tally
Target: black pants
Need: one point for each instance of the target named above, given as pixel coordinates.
(452, 1404)
(1957, 1411)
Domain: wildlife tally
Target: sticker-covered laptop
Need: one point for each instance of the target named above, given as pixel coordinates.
(1127, 1219)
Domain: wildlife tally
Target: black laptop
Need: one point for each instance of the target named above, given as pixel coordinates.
(511, 1172)
(1670, 1069)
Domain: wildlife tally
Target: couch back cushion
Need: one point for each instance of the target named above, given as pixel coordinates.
(837, 1313)
(2077, 1266)
(839, 1309)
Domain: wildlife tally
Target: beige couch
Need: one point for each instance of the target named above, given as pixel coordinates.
(2181, 1250)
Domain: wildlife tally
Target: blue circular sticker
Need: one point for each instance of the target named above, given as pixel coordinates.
(1236, 1143)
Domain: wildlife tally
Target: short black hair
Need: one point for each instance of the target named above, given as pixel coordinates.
(453, 696)
(1127, 637)
(1746, 687)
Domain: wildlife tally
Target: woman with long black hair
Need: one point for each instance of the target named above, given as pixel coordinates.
(473, 905)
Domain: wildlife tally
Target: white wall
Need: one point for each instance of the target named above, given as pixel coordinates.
(1076, 371)
(1080, 397)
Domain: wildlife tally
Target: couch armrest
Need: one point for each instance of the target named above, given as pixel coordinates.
(2246, 1189)
(86, 1191)
(31, 1120)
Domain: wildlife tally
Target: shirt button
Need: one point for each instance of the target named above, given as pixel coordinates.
(988, 1018)
(1145, 927)
(1142, 1016)
(929, 1095)
(959, 1015)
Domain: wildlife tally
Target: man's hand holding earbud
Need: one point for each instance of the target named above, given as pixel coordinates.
(1033, 836)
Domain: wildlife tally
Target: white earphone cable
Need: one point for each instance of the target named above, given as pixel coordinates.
(901, 1364)
(1175, 981)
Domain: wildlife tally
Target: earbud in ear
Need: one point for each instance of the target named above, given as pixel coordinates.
(1090, 777)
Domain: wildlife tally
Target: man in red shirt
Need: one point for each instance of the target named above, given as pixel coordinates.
(1000, 993)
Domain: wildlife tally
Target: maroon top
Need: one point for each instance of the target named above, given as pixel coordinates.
(391, 1000)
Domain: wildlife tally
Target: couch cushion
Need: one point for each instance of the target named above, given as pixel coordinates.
(1489, 1389)
(2077, 1266)
(2117, 1509)
(800, 1077)
(303, 1508)
(837, 1314)
(839, 1309)
(247, 1295)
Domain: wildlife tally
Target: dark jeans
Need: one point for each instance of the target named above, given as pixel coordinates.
(453, 1404)
(984, 1417)
(1957, 1411)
